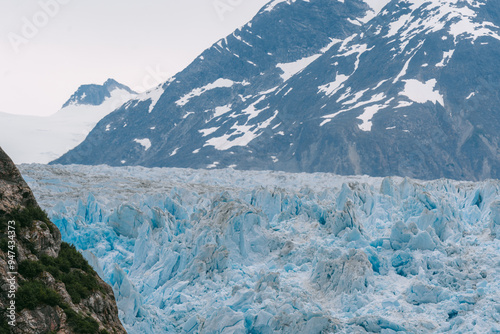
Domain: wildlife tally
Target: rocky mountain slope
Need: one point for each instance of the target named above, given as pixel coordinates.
(56, 289)
(30, 139)
(389, 87)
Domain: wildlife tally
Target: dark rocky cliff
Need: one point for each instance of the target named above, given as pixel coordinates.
(56, 289)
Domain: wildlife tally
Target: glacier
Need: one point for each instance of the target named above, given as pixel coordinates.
(226, 251)
(39, 139)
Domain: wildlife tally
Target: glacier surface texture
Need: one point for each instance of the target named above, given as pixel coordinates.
(227, 251)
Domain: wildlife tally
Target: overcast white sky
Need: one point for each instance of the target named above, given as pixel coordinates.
(88, 41)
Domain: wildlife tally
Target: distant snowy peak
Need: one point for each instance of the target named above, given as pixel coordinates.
(96, 94)
(47, 138)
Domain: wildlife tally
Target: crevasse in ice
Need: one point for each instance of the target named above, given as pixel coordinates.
(226, 251)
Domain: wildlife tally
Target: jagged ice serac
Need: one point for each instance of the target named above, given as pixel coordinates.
(226, 251)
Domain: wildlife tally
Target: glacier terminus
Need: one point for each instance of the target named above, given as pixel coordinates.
(226, 251)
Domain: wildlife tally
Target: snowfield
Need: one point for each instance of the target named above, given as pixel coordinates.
(35, 139)
(226, 251)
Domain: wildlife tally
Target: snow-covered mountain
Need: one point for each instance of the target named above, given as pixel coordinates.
(225, 251)
(390, 87)
(33, 139)
(95, 95)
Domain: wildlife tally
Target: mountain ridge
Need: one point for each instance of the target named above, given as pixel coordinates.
(92, 94)
(310, 87)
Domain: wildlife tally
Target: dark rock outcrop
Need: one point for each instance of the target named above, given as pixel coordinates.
(56, 290)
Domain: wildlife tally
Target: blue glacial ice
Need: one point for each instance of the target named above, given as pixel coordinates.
(225, 251)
